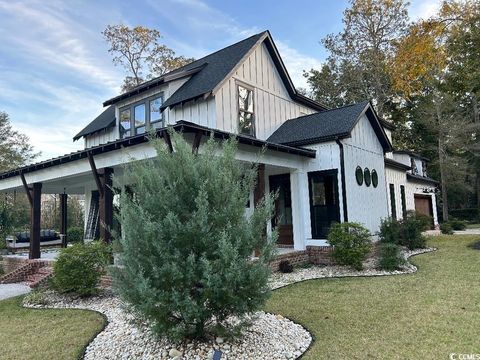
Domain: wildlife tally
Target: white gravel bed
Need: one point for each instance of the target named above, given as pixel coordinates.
(370, 268)
(269, 337)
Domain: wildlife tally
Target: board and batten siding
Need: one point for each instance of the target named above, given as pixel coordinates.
(200, 112)
(365, 204)
(397, 178)
(272, 103)
(101, 137)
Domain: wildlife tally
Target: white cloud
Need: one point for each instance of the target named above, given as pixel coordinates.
(296, 63)
(221, 29)
(423, 9)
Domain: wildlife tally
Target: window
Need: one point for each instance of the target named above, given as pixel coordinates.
(155, 113)
(404, 202)
(140, 119)
(359, 175)
(125, 123)
(245, 111)
(413, 164)
(367, 177)
(374, 178)
(393, 205)
(424, 168)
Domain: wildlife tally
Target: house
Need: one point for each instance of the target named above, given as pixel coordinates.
(329, 165)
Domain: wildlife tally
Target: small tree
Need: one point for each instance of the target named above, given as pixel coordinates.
(187, 243)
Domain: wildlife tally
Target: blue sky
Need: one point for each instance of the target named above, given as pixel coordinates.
(55, 70)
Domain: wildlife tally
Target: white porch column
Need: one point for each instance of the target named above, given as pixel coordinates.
(300, 207)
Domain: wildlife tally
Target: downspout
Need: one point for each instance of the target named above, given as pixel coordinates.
(342, 175)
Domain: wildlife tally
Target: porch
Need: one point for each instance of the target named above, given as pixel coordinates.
(90, 172)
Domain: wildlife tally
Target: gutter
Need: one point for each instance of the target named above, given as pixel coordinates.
(342, 174)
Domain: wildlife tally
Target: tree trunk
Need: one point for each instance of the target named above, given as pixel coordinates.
(476, 119)
(441, 162)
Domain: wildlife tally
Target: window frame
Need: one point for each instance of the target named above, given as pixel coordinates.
(146, 102)
(239, 84)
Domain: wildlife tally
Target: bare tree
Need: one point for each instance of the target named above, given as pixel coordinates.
(140, 52)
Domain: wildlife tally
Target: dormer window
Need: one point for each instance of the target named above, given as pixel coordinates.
(414, 166)
(424, 168)
(139, 117)
(246, 123)
(125, 123)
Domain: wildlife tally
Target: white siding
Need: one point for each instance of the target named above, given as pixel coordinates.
(272, 103)
(366, 205)
(101, 137)
(202, 112)
(397, 178)
(413, 188)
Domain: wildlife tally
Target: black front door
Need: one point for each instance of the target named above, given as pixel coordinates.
(324, 205)
(282, 220)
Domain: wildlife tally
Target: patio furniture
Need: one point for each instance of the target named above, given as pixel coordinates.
(21, 240)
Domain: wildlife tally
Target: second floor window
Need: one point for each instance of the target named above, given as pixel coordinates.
(139, 117)
(246, 123)
(125, 123)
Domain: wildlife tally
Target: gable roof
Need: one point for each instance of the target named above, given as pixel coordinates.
(103, 121)
(328, 125)
(207, 74)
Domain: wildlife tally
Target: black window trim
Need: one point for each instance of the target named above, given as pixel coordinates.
(393, 204)
(239, 84)
(146, 102)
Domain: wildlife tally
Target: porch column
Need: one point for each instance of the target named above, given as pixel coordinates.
(106, 203)
(63, 218)
(259, 191)
(300, 207)
(35, 215)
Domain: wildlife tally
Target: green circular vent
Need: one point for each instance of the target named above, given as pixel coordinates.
(374, 178)
(367, 176)
(359, 175)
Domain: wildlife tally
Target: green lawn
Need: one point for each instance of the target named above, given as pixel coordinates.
(473, 226)
(45, 334)
(426, 315)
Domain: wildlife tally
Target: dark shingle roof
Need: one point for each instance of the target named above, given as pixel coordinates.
(216, 67)
(327, 125)
(208, 72)
(103, 121)
(320, 126)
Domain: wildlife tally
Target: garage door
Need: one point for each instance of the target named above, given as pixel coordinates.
(423, 205)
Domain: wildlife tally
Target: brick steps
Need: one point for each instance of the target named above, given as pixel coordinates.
(32, 272)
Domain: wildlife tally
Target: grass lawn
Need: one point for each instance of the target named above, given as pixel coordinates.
(45, 334)
(473, 226)
(426, 315)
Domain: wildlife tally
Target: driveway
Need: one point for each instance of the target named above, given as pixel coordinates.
(11, 290)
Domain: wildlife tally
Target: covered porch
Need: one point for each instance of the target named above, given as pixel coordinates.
(89, 172)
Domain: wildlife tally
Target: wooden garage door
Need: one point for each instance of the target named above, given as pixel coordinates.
(423, 205)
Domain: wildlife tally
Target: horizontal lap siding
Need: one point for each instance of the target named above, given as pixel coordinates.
(272, 103)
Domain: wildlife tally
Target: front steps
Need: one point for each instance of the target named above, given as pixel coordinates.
(32, 272)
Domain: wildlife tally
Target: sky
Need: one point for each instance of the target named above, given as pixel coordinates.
(55, 69)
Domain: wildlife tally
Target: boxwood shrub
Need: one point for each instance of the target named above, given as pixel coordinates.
(351, 243)
(79, 267)
(390, 257)
(75, 234)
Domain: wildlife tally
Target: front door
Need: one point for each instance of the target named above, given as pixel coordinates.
(324, 204)
(282, 220)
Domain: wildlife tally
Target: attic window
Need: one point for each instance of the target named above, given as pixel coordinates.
(246, 124)
(125, 123)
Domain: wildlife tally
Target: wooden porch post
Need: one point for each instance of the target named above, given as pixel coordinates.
(106, 204)
(259, 191)
(63, 218)
(35, 215)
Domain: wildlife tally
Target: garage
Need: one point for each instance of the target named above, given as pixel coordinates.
(423, 205)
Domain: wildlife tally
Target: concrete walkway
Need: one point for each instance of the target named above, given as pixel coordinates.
(464, 232)
(11, 290)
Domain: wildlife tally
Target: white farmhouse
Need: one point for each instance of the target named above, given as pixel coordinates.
(329, 165)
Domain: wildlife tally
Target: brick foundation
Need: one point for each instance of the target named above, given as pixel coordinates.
(318, 255)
